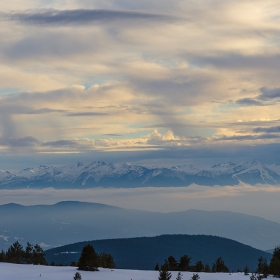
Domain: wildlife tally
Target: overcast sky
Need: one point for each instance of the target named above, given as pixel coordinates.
(139, 81)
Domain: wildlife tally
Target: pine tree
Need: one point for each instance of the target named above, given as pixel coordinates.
(207, 268)
(38, 255)
(195, 277)
(199, 267)
(2, 256)
(89, 259)
(164, 275)
(219, 266)
(184, 263)
(28, 257)
(106, 260)
(73, 263)
(246, 270)
(157, 267)
(179, 276)
(274, 266)
(172, 263)
(164, 266)
(77, 276)
(15, 253)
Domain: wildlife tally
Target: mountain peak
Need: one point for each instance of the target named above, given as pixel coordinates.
(125, 175)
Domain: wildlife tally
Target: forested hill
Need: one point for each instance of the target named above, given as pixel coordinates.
(145, 252)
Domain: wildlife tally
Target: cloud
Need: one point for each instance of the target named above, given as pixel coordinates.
(168, 138)
(12, 142)
(248, 137)
(83, 16)
(267, 97)
(141, 72)
(113, 134)
(249, 102)
(86, 114)
(235, 61)
(269, 94)
(273, 129)
(61, 143)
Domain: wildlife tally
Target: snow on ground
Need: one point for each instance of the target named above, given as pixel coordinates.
(16, 271)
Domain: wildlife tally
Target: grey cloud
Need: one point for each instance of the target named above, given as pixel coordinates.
(268, 94)
(86, 114)
(237, 61)
(60, 143)
(249, 102)
(252, 123)
(248, 137)
(267, 97)
(7, 108)
(274, 129)
(82, 16)
(112, 134)
(27, 141)
(49, 43)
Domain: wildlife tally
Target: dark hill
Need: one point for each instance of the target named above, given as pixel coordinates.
(145, 252)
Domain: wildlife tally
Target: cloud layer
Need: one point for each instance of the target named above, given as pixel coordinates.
(82, 16)
(138, 75)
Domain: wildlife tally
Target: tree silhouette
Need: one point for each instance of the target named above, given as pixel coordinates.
(77, 276)
(219, 266)
(89, 259)
(184, 263)
(164, 275)
(15, 253)
(274, 266)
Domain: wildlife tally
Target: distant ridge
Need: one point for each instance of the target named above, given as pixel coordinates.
(70, 222)
(145, 252)
(124, 175)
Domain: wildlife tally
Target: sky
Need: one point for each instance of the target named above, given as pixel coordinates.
(139, 81)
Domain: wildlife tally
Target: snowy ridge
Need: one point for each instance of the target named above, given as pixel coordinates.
(101, 174)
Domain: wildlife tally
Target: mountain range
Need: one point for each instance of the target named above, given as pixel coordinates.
(69, 222)
(124, 175)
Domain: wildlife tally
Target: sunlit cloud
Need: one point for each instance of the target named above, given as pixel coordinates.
(138, 75)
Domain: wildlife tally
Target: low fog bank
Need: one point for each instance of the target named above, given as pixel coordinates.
(259, 200)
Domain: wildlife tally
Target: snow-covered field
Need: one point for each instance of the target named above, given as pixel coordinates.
(15, 271)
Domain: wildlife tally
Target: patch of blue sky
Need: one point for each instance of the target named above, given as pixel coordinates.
(96, 81)
(4, 91)
(165, 62)
(225, 107)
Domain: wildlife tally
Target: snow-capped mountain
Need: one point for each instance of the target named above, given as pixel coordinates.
(101, 174)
